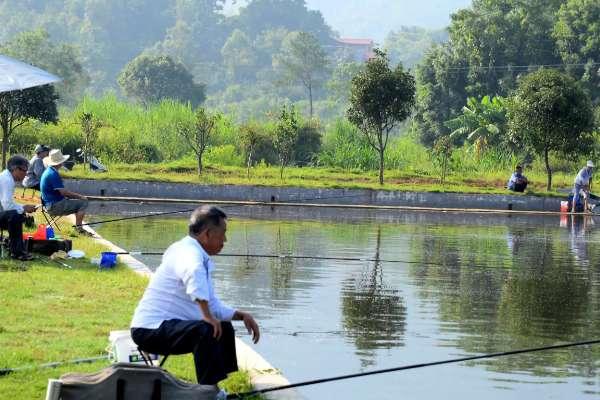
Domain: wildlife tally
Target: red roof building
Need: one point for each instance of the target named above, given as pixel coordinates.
(360, 49)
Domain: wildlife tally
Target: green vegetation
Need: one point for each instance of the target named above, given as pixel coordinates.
(53, 314)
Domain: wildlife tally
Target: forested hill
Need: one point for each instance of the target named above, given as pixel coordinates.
(375, 18)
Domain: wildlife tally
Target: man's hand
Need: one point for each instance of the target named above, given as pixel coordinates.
(216, 324)
(29, 208)
(252, 327)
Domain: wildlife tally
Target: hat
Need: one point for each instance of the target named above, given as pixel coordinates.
(55, 157)
(590, 164)
(41, 148)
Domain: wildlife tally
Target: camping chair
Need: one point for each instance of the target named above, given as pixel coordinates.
(148, 358)
(33, 190)
(52, 220)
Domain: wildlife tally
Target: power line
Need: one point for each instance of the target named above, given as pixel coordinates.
(510, 67)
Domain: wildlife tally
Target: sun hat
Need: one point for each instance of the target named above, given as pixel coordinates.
(55, 158)
(40, 148)
(590, 164)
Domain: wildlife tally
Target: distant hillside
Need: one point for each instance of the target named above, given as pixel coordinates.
(376, 18)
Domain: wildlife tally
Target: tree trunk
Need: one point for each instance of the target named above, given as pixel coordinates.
(200, 164)
(548, 170)
(310, 100)
(5, 136)
(381, 165)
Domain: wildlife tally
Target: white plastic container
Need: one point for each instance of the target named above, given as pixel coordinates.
(123, 349)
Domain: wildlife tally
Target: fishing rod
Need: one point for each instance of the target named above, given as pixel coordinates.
(192, 209)
(7, 371)
(412, 366)
(287, 256)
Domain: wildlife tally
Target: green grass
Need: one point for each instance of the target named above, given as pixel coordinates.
(50, 313)
(184, 171)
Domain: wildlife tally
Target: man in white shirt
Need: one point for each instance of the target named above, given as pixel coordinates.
(180, 312)
(582, 184)
(12, 215)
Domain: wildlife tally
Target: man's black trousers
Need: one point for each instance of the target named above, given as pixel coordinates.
(213, 358)
(13, 221)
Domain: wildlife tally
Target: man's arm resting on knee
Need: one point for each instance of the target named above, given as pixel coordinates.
(208, 317)
(249, 322)
(71, 195)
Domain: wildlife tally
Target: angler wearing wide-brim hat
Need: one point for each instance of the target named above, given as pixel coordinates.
(36, 167)
(57, 199)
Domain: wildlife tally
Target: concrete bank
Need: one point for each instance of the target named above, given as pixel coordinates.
(262, 374)
(350, 197)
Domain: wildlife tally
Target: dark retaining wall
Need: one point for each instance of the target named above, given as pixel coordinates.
(311, 196)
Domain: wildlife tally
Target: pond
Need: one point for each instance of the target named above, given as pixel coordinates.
(445, 286)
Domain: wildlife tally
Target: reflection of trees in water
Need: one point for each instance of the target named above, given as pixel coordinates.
(374, 316)
(531, 296)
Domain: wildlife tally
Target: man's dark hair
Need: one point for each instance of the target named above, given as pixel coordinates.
(205, 217)
(17, 161)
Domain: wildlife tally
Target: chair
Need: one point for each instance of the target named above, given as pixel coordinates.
(148, 358)
(52, 220)
(33, 190)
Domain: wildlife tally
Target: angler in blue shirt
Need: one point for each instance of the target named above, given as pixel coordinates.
(518, 181)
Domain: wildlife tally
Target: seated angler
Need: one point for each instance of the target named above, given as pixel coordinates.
(180, 312)
(518, 181)
(12, 215)
(57, 199)
(36, 167)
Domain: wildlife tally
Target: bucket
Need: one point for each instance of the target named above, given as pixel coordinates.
(108, 259)
(564, 206)
(123, 349)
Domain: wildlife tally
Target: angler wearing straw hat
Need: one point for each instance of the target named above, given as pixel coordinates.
(36, 167)
(57, 199)
(582, 184)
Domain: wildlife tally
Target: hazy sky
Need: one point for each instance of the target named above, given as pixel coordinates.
(375, 18)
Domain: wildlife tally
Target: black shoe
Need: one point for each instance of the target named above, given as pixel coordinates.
(83, 232)
(23, 257)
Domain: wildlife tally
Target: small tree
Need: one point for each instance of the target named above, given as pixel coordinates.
(380, 98)
(90, 126)
(199, 134)
(286, 133)
(442, 155)
(18, 106)
(550, 112)
(249, 139)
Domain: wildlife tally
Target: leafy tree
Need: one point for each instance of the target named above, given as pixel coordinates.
(308, 143)
(36, 48)
(150, 79)
(341, 80)
(250, 136)
(90, 125)
(239, 57)
(380, 98)
(409, 44)
(441, 92)
(18, 106)
(551, 112)
(285, 136)
(483, 123)
(577, 35)
(199, 134)
(293, 15)
(442, 155)
(302, 59)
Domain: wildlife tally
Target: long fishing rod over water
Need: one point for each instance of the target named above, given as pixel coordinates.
(273, 201)
(413, 366)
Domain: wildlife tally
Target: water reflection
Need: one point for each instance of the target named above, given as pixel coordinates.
(468, 287)
(374, 315)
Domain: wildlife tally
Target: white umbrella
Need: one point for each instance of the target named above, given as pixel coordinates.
(16, 75)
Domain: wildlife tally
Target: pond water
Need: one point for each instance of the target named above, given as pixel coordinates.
(458, 285)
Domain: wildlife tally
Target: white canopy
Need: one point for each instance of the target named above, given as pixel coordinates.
(16, 75)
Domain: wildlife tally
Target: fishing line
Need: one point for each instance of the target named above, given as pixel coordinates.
(7, 371)
(412, 366)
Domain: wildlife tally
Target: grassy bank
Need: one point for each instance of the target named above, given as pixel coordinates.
(184, 171)
(50, 313)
